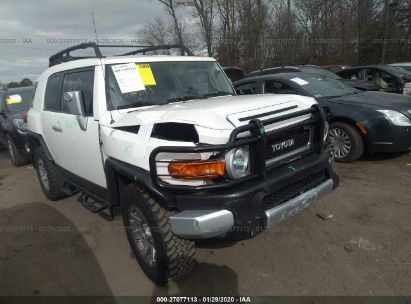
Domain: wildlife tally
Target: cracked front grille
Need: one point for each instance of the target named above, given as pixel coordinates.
(285, 143)
(293, 190)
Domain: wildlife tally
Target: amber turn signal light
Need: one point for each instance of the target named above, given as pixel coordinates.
(197, 170)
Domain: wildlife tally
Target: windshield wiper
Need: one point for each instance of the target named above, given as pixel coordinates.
(137, 104)
(183, 98)
(218, 93)
(129, 105)
(190, 97)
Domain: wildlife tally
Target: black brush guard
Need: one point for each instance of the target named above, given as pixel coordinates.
(257, 143)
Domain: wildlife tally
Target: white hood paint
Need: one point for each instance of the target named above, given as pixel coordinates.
(213, 118)
(219, 113)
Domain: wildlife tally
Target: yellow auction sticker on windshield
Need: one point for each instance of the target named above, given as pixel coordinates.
(13, 99)
(146, 74)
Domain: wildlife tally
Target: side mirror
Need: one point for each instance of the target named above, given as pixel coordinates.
(74, 102)
(75, 105)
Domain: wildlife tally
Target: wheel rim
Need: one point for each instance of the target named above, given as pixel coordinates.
(340, 142)
(43, 175)
(142, 236)
(11, 151)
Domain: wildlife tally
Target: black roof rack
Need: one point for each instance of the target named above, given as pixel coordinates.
(64, 55)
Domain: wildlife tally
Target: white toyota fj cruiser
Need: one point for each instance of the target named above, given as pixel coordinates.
(164, 141)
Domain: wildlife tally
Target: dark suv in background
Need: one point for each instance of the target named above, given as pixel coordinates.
(14, 105)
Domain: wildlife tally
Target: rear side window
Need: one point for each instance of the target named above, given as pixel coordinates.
(276, 87)
(82, 81)
(53, 94)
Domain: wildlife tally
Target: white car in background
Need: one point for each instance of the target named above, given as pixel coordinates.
(403, 65)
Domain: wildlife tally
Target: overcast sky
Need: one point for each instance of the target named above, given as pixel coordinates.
(31, 31)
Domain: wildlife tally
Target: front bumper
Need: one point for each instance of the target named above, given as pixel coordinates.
(383, 136)
(274, 190)
(246, 210)
(203, 224)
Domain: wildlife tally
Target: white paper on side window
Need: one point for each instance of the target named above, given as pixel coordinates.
(299, 81)
(143, 136)
(128, 78)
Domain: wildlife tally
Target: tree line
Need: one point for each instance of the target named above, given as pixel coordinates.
(25, 82)
(254, 34)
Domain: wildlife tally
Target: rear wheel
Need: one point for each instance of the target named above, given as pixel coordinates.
(160, 253)
(49, 176)
(17, 157)
(346, 142)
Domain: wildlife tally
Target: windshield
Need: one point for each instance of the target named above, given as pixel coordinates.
(322, 86)
(157, 83)
(19, 100)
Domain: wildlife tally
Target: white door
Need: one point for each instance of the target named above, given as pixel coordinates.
(74, 149)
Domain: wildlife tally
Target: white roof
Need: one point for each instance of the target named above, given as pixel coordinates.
(81, 63)
(401, 64)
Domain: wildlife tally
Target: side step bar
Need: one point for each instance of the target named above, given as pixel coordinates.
(91, 205)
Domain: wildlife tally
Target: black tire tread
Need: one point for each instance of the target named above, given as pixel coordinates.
(55, 179)
(179, 252)
(20, 158)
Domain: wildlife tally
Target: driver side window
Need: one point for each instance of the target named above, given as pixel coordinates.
(82, 81)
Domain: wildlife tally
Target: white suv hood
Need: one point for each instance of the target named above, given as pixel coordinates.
(222, 113)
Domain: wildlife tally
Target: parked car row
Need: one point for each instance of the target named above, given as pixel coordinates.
(14, 105)
(371, 121)
(363, 85)
(393, 78)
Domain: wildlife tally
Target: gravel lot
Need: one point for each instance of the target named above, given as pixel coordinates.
(60, 248)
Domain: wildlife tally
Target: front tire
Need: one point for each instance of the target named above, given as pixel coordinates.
(160, 253)
(49, 176)
(346, 142)
(17, 157)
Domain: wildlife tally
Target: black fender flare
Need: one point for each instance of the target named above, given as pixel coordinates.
(36, 140)
(119, 174)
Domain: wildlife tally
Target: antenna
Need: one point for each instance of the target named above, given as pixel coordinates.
(101, 60)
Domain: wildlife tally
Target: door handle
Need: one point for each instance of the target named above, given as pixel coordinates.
(57, 128)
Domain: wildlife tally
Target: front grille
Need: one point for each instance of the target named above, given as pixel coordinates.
(293, 190)
(280, 144)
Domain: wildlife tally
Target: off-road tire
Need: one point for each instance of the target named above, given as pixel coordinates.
(174, 255)
(55, 179)
(357, 143)
(17, 157)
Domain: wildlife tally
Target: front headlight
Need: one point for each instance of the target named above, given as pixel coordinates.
(238, 163)
(396, 118)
